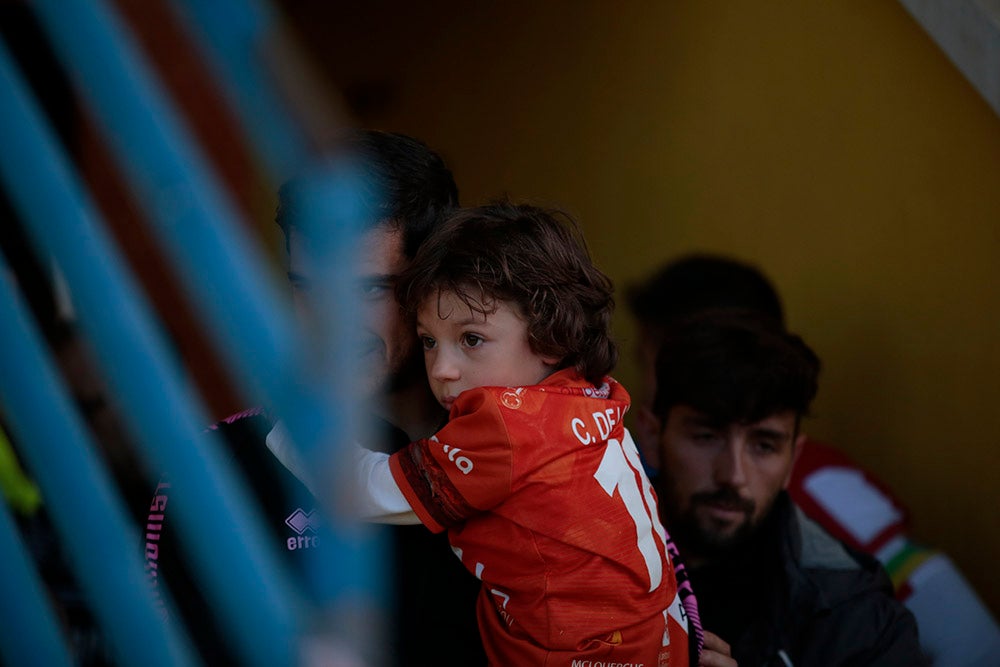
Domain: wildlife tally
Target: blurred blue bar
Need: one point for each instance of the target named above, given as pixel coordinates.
(240, 574)
(38, 640)
(182, 197)
(223, 271)
(88, 516)
(233, 35)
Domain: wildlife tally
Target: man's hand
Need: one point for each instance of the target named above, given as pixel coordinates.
(716, 653)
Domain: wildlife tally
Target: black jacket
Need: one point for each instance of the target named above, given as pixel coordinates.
(795, 596)
(433, 621)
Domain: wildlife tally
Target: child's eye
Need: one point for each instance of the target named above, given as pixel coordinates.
(428, 342)
(472, 340)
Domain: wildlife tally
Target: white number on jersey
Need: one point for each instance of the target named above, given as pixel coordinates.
(619, 469)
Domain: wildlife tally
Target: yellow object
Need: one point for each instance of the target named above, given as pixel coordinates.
(20, 492)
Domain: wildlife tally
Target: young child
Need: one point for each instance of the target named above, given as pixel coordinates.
(534, 477)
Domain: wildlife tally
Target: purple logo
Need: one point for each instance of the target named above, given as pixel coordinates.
(300, 522)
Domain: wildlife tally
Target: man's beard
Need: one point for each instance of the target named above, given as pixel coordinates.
(380, 380)
(696, 534)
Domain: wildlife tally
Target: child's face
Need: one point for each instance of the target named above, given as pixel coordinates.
(464, 349)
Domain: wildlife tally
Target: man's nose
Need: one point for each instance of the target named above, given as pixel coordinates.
(443, 367)
(731, 465)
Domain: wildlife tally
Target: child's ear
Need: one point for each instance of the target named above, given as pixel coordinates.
(647, 429)
(551, 361)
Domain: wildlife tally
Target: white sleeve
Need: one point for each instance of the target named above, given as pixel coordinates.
(376, 497)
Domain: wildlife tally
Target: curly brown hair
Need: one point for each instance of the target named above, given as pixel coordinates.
(533, 257)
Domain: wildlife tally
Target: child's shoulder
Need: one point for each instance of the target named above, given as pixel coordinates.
(562, 385)
(569, 382)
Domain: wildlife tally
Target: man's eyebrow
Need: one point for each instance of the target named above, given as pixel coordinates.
(774, 433)
(376, 278)
(700, 420)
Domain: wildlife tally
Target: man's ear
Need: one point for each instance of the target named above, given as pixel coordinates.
(796, 452)
(647, 430)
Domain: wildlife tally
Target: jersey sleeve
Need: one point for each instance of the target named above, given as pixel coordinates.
(465, 469)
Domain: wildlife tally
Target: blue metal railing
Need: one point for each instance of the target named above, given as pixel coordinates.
(226, 276)
(234, 36)
(39, 639)
(86, 514)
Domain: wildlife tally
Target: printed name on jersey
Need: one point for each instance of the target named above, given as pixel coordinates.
(604, 421)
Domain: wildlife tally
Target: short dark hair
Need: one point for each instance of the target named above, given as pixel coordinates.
(735, 367)
(407, 185)
(534, 257)
(698, 282)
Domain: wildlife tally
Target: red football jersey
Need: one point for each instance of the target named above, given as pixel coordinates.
(545, 500)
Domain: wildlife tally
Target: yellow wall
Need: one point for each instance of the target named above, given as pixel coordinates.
(832, 143)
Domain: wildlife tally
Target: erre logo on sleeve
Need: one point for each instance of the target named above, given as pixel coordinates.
(302, 523)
